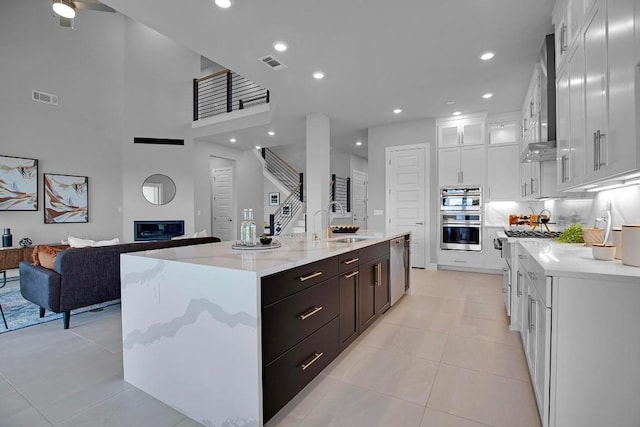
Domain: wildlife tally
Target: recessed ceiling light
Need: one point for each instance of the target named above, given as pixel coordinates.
(232, 140)
(280, 46)
(487, 95)
(359, 143)
(258, 147)
(64, 8)
(487, 56)
(456, 113)
(450, 102)
(224, 4)
(318, 75)
(271, 133)
(397, 111)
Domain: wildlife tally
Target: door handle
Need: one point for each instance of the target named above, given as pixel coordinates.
(419, 223)
(596, 162)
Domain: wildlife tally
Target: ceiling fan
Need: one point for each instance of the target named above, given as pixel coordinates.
(66, 9)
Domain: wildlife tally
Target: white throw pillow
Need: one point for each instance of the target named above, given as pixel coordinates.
(114, 241)
(203, 233)
(77, 242)
(180, 237)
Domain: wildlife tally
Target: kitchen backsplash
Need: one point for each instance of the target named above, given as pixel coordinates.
(625, 209)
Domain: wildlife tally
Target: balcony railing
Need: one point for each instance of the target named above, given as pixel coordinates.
(224, 92)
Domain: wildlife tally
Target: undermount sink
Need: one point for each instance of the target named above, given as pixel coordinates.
(351, 239)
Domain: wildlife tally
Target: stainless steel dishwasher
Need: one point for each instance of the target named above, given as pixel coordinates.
(397, 273)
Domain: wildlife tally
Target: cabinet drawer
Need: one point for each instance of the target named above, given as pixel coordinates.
(378, 250)
(288, 374)
(288, 321)
(283, 284)
(348, 261)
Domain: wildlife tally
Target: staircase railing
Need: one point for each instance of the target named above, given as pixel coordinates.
(224, 92)
(340, 192)
(290, 179)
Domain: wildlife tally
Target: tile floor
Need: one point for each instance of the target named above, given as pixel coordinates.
(443, 356)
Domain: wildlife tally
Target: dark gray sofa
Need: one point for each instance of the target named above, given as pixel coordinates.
(84, 276)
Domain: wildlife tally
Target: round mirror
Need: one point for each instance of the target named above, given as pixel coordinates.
(158, 189)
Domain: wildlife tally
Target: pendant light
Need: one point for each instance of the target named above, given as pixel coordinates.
(64, 8)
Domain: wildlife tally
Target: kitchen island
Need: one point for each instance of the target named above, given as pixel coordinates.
(193, 319)
(578, 319)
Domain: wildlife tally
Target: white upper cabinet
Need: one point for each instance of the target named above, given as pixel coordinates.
(461, 155)
(461, 165)
(595, 60)
(503, 157)
(596, 87)
(468, 130)
(502, 172)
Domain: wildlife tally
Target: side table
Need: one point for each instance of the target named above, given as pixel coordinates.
(11, 258)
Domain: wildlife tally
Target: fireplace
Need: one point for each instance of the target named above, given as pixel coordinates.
(157, 230)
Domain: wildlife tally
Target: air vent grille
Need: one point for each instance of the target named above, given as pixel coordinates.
(43, 97)
(272, 62)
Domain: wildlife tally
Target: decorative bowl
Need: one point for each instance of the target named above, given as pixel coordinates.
(603, 252)
(344, 228)
(265, 240)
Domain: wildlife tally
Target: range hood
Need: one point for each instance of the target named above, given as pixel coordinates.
(545, 149)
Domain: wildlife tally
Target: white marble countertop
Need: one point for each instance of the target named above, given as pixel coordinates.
(575, 260)
(295, 251)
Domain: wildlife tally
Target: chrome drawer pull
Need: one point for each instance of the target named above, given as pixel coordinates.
(311, 276)
(350, 275)
(316, 356)
(379, 274)
(350, 261)
(313, 311)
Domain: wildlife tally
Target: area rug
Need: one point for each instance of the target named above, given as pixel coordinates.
(21, 313)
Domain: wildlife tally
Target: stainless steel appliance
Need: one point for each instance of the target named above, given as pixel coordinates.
(461, 199)
(532, 234)
(545, 148)
(398, 272)
(461, 231)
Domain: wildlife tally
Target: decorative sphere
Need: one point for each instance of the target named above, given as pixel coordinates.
(26, 242)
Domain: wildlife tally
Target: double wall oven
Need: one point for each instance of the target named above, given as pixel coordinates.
(461, 219)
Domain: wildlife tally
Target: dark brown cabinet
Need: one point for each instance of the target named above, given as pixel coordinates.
(312, 312)
(382, 297)
(300, 329)
(373, 286)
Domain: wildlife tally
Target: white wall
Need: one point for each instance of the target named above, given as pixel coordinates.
(115, 79)
(157, 103)
(248, 182)
(405, 133)
(80, 136)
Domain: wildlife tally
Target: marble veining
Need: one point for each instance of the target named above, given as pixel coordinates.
(145, 276)
(169, 329)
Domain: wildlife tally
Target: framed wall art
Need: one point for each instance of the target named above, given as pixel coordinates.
(274, 199)
(18, 184)
(66, 199)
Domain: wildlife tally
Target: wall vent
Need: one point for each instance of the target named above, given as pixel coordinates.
(43, 97)
(272, 62)
(158, 141)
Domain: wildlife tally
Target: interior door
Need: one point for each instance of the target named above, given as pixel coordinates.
(223, 224)
(407, 200)
(360, 182)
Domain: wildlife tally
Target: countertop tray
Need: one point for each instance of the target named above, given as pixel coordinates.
(258, 247)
